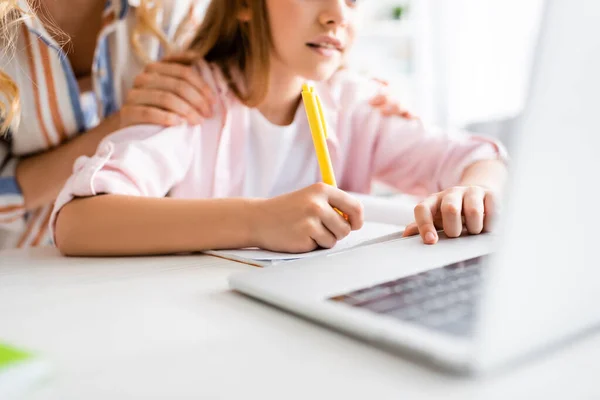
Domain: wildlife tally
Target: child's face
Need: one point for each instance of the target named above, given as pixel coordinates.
(310, 37)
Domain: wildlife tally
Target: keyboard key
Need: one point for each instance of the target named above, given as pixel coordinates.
(443, 298)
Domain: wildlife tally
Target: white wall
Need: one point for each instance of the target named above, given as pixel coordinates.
(468, 60)
(485, 49)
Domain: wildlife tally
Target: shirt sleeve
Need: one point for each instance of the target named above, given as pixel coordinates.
(143, 160)
(422, 160)
(12, 205)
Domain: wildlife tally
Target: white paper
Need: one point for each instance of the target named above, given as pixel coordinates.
(371, 231)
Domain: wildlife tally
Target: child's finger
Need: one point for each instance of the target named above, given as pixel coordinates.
(451, 209)
(473, 209)
(411, 230)
(348, 204)
(490, 211)
(424, 214)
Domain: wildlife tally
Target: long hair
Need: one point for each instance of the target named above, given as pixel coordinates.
(237, 46)
(10, 18)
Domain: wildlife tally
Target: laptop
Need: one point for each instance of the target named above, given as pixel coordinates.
(481, 303)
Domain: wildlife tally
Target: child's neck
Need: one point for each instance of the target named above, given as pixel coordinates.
(283, 97)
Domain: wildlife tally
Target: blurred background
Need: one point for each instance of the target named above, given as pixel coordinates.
(456, 64)
(459, 63)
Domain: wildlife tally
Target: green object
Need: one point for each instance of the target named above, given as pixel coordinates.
(20, 371)
(398, 12)
(10, 355)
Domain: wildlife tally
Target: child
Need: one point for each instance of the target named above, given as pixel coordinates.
(249, 176)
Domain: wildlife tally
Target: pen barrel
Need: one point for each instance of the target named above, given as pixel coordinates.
(318, 135)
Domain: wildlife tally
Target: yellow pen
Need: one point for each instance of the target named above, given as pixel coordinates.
(318, 129)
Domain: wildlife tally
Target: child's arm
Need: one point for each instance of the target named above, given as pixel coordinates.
(131, 225)
(116, 225)
(464, 172)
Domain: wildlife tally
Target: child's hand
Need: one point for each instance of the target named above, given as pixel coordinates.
(301, 221)
(470, 207)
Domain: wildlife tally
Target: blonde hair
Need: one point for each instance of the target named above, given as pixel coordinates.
(11, 15)
(146, 17)
(236, 45)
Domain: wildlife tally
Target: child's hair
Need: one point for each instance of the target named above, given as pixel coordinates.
(11, 15)
(237, 46)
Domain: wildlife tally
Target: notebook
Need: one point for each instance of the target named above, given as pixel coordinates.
(371, 232)
(20, 371)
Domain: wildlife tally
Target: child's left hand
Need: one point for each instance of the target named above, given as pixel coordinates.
(453, 210)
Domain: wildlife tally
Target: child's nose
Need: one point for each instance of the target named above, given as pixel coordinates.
(335, 13)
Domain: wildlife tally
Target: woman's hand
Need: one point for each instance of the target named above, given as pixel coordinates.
(169, 92)
(304, 220)
(462, 207)
(390, 106)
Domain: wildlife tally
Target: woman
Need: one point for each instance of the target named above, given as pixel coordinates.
(69, 79)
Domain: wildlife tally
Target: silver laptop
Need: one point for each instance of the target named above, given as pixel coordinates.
(478, 303)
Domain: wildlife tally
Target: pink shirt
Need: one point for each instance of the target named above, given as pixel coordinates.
(209, 160)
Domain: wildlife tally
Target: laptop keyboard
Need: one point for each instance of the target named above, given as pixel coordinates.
(443, 298)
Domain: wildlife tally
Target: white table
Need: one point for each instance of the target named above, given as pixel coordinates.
(168, 327)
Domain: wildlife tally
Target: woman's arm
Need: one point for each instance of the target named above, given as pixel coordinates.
(41, 176)
(166, 93)
(115, 225)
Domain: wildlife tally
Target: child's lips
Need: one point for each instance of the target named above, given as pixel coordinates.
(324, 51)
(327, 42)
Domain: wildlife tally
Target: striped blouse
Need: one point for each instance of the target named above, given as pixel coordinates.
(54, 110)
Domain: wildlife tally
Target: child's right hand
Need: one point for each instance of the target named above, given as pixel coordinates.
(301, 221)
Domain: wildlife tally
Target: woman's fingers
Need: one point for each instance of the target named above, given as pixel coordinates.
(451, 209)
(379, 100)
(389, 107)
(473, 209)
(424, 217)
(163, 100)
(185, 57)
(185, 73)
(180, 88)
(139, 114)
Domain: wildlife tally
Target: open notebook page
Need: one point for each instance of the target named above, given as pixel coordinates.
(370, 232)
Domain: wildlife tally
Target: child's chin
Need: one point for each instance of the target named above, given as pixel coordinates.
(322, 73)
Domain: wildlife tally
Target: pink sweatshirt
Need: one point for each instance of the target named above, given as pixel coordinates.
(208, 160)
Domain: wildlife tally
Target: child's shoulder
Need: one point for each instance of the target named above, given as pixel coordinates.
(212, 75)
(348, 87)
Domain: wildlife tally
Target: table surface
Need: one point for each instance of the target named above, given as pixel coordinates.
(169, 327)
